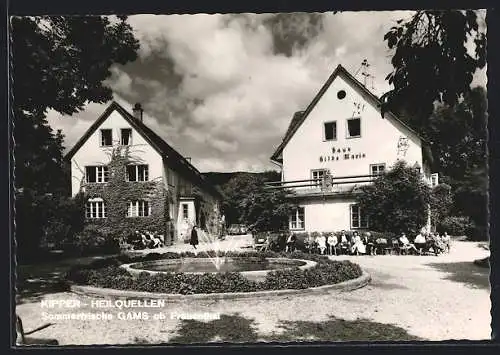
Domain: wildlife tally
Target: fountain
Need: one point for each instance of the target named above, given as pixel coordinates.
(217, 260)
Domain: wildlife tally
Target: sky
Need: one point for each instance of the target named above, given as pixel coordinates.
(222, 88)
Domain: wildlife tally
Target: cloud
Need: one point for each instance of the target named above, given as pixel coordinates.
(222, 89)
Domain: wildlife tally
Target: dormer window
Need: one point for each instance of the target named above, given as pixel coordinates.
(106, 138)
(330, 131)
(354, 127)
(126, 136)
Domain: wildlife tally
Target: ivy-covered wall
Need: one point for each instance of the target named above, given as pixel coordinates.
(118, 192)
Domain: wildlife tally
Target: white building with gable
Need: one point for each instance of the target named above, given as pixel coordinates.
(342, 134)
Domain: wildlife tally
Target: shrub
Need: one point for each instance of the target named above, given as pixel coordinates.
(92, 241)
(397, 201)
(456, 225)
(107, 273)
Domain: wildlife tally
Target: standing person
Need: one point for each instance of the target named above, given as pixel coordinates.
(194, 237)
(290, 243)
(447, 241)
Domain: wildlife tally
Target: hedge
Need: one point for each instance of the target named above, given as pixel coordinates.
(106, 273)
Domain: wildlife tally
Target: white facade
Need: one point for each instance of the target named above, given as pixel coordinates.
(377, 144)
(322, 141)
(90, 152)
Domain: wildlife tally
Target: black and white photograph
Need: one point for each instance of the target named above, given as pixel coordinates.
(294, 177)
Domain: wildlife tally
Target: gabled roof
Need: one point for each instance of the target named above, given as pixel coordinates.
(299, 117)
(173, 158)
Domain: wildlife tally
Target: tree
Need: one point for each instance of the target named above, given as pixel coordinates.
(458, 134)
(431, 61)
(441, 202)
(398, 201)
(59, 63)
(263, 209)
(246, 200)
(237, 188)
(458, 140)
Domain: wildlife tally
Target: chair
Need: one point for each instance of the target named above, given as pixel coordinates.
(261, 241)
(382, 246)
(422, 247)
(389, 248)
(396, 247)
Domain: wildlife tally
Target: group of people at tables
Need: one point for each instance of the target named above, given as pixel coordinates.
(330, 243)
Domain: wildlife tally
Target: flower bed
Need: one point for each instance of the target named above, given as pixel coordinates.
(107, 273)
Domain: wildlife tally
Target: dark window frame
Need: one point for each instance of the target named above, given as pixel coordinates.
(348, 136)
(129, 139)
(335, 136)
(103, 140)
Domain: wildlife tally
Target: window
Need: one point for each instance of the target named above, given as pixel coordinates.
(106, 138)
(137, 173)
(354, 127)
(126, 134)
(318, 176)
(185, 187)
(297, 220)
(95, 208)
(377, 169)
(138, 208)
(97, 174)
(185, 211)
(330, 131)
(358, 218)
(434, 179)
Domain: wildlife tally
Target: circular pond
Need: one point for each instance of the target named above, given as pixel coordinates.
(252, 268)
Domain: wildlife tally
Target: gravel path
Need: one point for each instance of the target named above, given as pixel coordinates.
(435, 298)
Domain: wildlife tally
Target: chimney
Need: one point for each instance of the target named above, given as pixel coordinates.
(137, 110)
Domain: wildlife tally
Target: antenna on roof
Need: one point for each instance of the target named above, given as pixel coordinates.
(364, 71)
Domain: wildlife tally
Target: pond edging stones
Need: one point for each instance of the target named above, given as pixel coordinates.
(344, 286)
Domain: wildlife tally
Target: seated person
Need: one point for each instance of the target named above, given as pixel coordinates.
(437, 244)
(344, 243)
(310, 243)
(321, 241)
(420, 242)
(357, 245)
(370, 245)
(290, 243)
(406, 245)
(332, 243)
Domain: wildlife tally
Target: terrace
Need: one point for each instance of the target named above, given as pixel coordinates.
(325, 186)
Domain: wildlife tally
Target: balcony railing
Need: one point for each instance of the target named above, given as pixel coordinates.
(326, 185)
